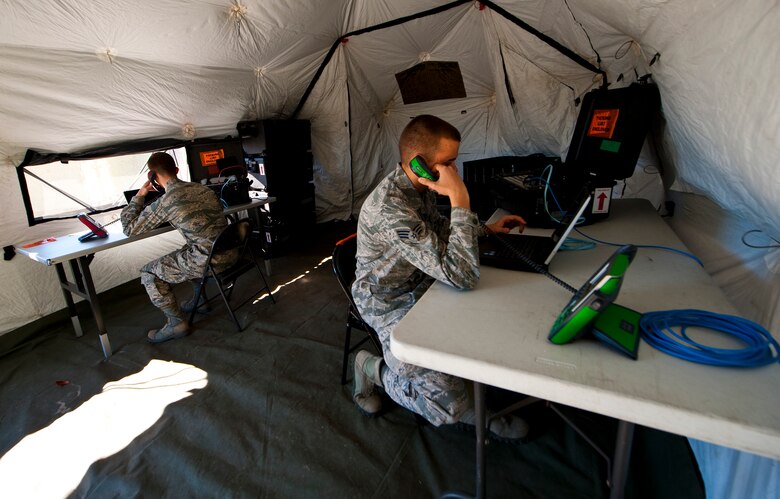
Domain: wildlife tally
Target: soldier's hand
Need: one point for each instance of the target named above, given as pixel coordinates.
(144, 190)
(449, 184)
(507, 223)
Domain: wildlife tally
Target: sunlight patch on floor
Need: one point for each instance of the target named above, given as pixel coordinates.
(297, 278)
(51, 462)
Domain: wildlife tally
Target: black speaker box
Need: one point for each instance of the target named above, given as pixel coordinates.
(479, 177)
(275, 135)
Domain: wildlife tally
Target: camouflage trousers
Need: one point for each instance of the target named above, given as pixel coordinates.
(159, 276)
(440, 398)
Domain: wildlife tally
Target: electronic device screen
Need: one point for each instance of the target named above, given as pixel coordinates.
(150, 197)
(203, 156)
(593, 297)
(611, 130)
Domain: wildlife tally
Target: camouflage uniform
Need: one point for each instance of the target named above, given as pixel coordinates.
(403, 245)
(194, 210)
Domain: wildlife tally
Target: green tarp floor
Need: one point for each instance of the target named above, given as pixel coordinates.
(262, 413)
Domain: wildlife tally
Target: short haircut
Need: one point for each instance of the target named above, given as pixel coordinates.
(162, 162)
(423, 133)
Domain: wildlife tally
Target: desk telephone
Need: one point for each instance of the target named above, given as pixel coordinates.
(97, 231)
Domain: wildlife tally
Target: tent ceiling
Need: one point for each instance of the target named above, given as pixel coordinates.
(82, 74)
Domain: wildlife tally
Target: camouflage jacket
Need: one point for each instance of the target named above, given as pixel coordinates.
(191, 208)
(404, 244)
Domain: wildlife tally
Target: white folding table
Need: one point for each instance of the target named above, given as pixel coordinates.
(68, 249)
(496, 334)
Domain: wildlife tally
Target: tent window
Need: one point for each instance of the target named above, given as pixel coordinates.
(431, 80)
(61, 190)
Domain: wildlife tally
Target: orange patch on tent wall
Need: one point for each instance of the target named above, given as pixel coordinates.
(208, 159)
(602, 124)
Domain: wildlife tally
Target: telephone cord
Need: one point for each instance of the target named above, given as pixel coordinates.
(538, 268)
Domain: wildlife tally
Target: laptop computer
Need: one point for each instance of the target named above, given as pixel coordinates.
(151, 196)
(506, 251)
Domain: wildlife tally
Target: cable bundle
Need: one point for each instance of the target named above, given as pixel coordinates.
(658, 330)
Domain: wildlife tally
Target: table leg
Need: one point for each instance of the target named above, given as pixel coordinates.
(260, 224)
(479, 410)
(623, 443)
(64, 284)
(91, 296)
(480, 425)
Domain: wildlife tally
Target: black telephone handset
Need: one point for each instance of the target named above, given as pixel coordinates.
(152, 176)
(421, 169)
(96, 230)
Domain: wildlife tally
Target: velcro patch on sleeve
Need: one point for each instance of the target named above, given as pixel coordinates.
(411, 235)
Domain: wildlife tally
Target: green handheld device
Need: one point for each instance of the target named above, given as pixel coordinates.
(618, 327)
(420, 168)
(594, 299)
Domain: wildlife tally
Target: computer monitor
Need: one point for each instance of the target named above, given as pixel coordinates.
(610, 131)
(204, 156)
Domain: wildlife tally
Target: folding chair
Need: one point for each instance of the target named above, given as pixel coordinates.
(344, 267)
(235, 236)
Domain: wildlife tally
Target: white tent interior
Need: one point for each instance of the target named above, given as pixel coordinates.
(83, 74)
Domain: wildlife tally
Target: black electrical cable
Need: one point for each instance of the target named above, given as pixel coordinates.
(744, 240)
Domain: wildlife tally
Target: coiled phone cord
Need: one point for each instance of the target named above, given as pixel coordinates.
(538, 268)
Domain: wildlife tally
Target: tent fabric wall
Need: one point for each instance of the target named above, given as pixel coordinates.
(86, 74)
(490, 51)
(83, 74)
(31, 291)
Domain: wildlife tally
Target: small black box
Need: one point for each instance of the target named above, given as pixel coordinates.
(232, 191)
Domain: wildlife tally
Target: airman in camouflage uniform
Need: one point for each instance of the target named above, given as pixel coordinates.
(194, 210)
(403, 246)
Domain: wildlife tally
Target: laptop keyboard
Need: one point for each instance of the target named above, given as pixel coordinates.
(509, 247)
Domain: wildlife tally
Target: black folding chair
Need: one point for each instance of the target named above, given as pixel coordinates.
(235, 236)
(344, 268)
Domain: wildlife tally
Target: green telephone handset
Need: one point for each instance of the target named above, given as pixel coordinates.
(421, 169)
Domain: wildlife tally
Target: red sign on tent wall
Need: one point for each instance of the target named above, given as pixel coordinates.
(602, 124)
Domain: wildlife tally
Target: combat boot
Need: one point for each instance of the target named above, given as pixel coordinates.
(368, 376)
(172, 330)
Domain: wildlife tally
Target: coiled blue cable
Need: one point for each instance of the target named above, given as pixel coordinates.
(574, 244)
(658, 329)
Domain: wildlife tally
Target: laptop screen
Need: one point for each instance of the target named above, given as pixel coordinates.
(559, 237)
(150, 196)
